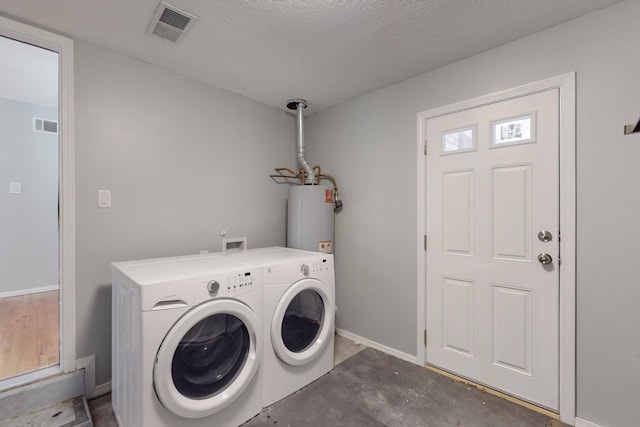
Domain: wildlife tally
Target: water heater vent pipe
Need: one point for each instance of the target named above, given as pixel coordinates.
(299, 105)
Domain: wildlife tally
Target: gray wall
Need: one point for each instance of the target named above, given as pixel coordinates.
(28, 221)
(182, 160)
(369, 144)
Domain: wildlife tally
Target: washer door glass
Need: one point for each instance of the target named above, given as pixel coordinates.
(302, 322)
(208, 358)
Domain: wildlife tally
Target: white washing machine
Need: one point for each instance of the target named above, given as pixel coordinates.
(299, 306)
(187, 342)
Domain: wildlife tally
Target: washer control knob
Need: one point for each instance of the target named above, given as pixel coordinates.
(213, 287)
(304, 269)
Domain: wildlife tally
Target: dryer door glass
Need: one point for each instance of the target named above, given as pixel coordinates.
(210, 356)
(302, 321)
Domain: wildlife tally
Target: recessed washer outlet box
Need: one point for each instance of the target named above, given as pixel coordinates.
(170, 23)
(235, 244)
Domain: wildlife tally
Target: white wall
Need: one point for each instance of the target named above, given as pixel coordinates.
(182, 160)
(369, 144)
(29, 220)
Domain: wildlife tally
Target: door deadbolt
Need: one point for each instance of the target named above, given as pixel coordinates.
(545, 259)
(544, 236)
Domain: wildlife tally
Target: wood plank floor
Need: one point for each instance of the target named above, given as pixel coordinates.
(29, 327)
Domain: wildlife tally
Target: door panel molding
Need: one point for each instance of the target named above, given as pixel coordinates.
(566, 86)
(506, 198)
(64, 47)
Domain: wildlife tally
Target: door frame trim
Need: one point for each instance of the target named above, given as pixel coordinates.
(67, 247)
(566, 85)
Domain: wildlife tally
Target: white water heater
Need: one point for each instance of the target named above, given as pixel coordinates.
(310, 218)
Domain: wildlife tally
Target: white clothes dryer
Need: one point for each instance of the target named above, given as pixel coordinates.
(187, 342)
(299, 305)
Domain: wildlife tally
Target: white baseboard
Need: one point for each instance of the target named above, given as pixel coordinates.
(91, 390)
(584, 423)
(102, 389)
(21, 292)
(383, 348)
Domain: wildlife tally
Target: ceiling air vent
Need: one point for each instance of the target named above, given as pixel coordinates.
(170, 23)
(44, 125)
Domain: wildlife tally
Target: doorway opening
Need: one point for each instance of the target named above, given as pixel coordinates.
(29, 250)
(37, 252)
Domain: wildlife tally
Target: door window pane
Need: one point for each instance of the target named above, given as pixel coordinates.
(458, 140)
(518, 130)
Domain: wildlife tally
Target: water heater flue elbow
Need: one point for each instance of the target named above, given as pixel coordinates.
(299, 105)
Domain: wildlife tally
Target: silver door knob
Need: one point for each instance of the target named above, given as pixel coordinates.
(545, 259)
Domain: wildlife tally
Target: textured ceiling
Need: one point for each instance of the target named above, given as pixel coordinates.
(326, 51)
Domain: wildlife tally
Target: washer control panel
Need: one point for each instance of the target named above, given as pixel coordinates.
(229, 284)
(239, 282)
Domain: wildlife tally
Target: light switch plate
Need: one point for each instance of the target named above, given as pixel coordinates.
(104, 198)
(15, 188)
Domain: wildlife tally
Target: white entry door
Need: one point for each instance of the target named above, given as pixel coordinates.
(492, 222)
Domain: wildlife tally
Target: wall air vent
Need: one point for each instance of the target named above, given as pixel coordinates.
(44, 125)
(170, 23)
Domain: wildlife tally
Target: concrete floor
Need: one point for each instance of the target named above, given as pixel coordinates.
(374, 389)
(70, 413)
(344, 349)
(101, 412)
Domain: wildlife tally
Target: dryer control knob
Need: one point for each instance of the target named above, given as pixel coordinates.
(213, 287)
(304, 269)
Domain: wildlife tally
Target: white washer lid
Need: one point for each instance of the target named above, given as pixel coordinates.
(166, 269)
(272, 255)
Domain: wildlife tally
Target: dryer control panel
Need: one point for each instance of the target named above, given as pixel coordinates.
(319, 267)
